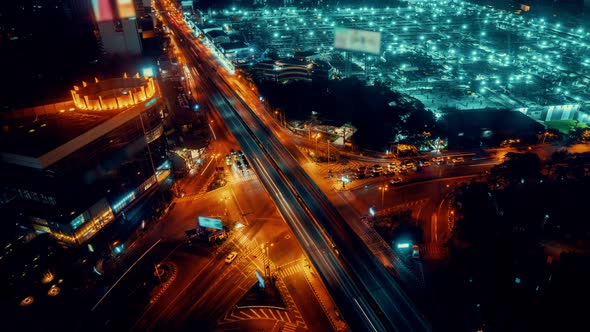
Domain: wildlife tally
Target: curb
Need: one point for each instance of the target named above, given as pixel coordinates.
(166, 284)
(333, 321)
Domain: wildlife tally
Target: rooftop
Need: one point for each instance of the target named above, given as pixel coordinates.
(39, 136)
(42, 129)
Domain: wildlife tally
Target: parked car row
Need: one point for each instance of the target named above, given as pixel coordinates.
(403, 167)
(238, 158)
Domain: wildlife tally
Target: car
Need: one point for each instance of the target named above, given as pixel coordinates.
(458, 160)
(232, 151)
(240, 153)
(377, 168)
(375, 174)
(438, 160)
(396, 180)
(246, 163)
(239, 164)
(230, 258)
(425, 163)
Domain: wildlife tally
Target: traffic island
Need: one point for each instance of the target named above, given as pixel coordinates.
(268, 296)
(165, 274)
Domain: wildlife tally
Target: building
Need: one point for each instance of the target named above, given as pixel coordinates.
(116, 22)
(285, 70)
(217, 36)
(78, 165)
(237, 50)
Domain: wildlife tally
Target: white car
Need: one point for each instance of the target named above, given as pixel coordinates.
(396, 180)
(230, 258)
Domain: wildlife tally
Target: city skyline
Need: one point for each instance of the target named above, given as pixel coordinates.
(294, 165)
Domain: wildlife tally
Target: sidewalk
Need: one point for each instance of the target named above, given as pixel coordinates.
(323, 297)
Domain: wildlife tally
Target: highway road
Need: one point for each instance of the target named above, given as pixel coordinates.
(367, 295)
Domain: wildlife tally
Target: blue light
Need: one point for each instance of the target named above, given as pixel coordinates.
(403, 245)
(151, 102)
(164, 165)
(118, 206)
(148, 71)
(119, 249)
(196, 107)
(372, 211)
(77, 222)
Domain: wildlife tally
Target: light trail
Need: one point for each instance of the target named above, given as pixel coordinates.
(123, 276)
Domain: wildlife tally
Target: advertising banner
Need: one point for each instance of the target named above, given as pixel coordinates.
(357, 40)
(210, 223)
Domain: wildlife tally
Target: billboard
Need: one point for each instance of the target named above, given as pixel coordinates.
(210, 223)
(103, 9)
(357, 40)
(125, 8)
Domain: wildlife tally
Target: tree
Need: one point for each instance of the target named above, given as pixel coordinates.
(517, 167)
(475, 212)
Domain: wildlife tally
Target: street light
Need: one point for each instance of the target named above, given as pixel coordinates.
(308, 129)
(265, 250)
(383, 189)
(317, 135)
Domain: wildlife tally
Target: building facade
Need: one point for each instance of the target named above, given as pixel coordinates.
(78, 165)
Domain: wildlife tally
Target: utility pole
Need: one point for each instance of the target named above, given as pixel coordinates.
(328, 140)
(344, 136)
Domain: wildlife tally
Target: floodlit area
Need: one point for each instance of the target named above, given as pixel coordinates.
(448, 54)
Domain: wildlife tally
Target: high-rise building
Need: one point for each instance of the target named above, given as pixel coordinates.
(116, 21)
(76, 166)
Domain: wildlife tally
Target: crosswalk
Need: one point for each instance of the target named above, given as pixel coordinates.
(244, 175)
(193, 197)
(290, 269)
(287, 327)
(337, 168)
(409, 205)
(250, 256)
(289, 321)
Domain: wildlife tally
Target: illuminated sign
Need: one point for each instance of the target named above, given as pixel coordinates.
(151, 102)
(357, 40)
(125, 8)
(403, 245)
(260, 279)
(148, 71)
(103, 11)
(210, 222)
